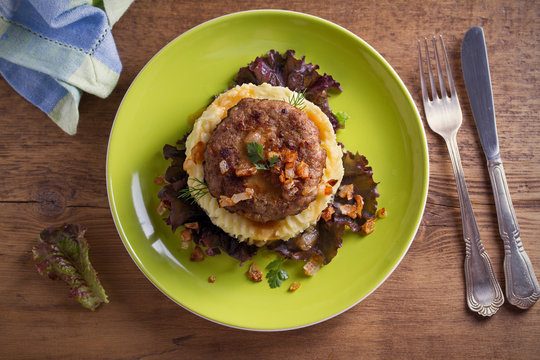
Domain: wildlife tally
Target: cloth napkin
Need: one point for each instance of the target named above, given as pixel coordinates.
(52, 50)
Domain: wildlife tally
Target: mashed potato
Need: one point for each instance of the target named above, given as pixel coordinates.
(236, 225)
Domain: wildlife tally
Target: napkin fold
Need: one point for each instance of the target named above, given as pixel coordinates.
(51, 51)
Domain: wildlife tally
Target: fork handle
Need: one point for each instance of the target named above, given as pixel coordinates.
(522, 289)
(484, 294)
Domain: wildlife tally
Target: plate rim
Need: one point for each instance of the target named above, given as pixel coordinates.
(388, 67)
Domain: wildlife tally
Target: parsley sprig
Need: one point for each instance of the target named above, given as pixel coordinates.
(276, 274)
(256, 156)
(194, 192)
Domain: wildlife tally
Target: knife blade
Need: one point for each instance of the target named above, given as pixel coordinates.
(522, 288)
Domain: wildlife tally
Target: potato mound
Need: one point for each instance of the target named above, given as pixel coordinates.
(236, 225)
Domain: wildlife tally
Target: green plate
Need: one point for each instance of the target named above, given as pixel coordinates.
(384, 125)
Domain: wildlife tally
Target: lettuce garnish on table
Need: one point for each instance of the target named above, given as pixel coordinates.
(62, 253)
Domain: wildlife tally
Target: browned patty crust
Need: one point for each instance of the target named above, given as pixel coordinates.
(282, 130)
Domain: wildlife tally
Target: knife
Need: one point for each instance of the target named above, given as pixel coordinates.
(522, 289)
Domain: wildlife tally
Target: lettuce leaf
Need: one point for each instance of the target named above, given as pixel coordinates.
(324, 239)
(216, 240)
(295, 74)
(357, 172)
(181, 211)
(62, 253)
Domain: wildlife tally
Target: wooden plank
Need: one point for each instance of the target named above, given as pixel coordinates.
(47, 178)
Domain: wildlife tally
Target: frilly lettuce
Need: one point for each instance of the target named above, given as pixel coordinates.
(183, 211)
(323, 239)
(62, 253)
(295, 74)
(358, 173)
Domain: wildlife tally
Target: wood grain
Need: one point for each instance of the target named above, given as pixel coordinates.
(48, 177)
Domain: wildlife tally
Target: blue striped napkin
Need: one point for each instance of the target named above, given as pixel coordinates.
(52, 50)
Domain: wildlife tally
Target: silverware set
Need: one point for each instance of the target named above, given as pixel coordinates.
(443, 114)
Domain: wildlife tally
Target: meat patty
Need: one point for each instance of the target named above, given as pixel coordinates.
(288, 137)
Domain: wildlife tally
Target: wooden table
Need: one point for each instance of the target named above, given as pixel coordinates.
(48, 177)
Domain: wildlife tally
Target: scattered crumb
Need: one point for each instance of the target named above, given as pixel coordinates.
(192, 226)
(197, 254)
(368, 226)
(211, 279)
(161, 208)
(254, 273)
(160, 180)
(313, 265)
(294, 286)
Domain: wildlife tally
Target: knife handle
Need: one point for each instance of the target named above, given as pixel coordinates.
(522, 289)
(484, 294)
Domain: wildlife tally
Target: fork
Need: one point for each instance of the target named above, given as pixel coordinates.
(443, 114)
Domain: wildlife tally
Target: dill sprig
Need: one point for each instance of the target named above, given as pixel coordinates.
(297, 99)
(195, 192)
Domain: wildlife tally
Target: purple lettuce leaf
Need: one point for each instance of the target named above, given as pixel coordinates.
(62, 253)
(357, 172)
(323, 239)
(288, 71)
(216, 240)
(184, 211)
(175, 172)
(180, 210)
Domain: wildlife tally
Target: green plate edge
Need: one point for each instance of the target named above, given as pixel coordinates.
(279, 309)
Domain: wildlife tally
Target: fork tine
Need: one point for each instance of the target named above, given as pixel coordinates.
(439, 69)
(425, 95)
(431, 81)
(451, 85)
